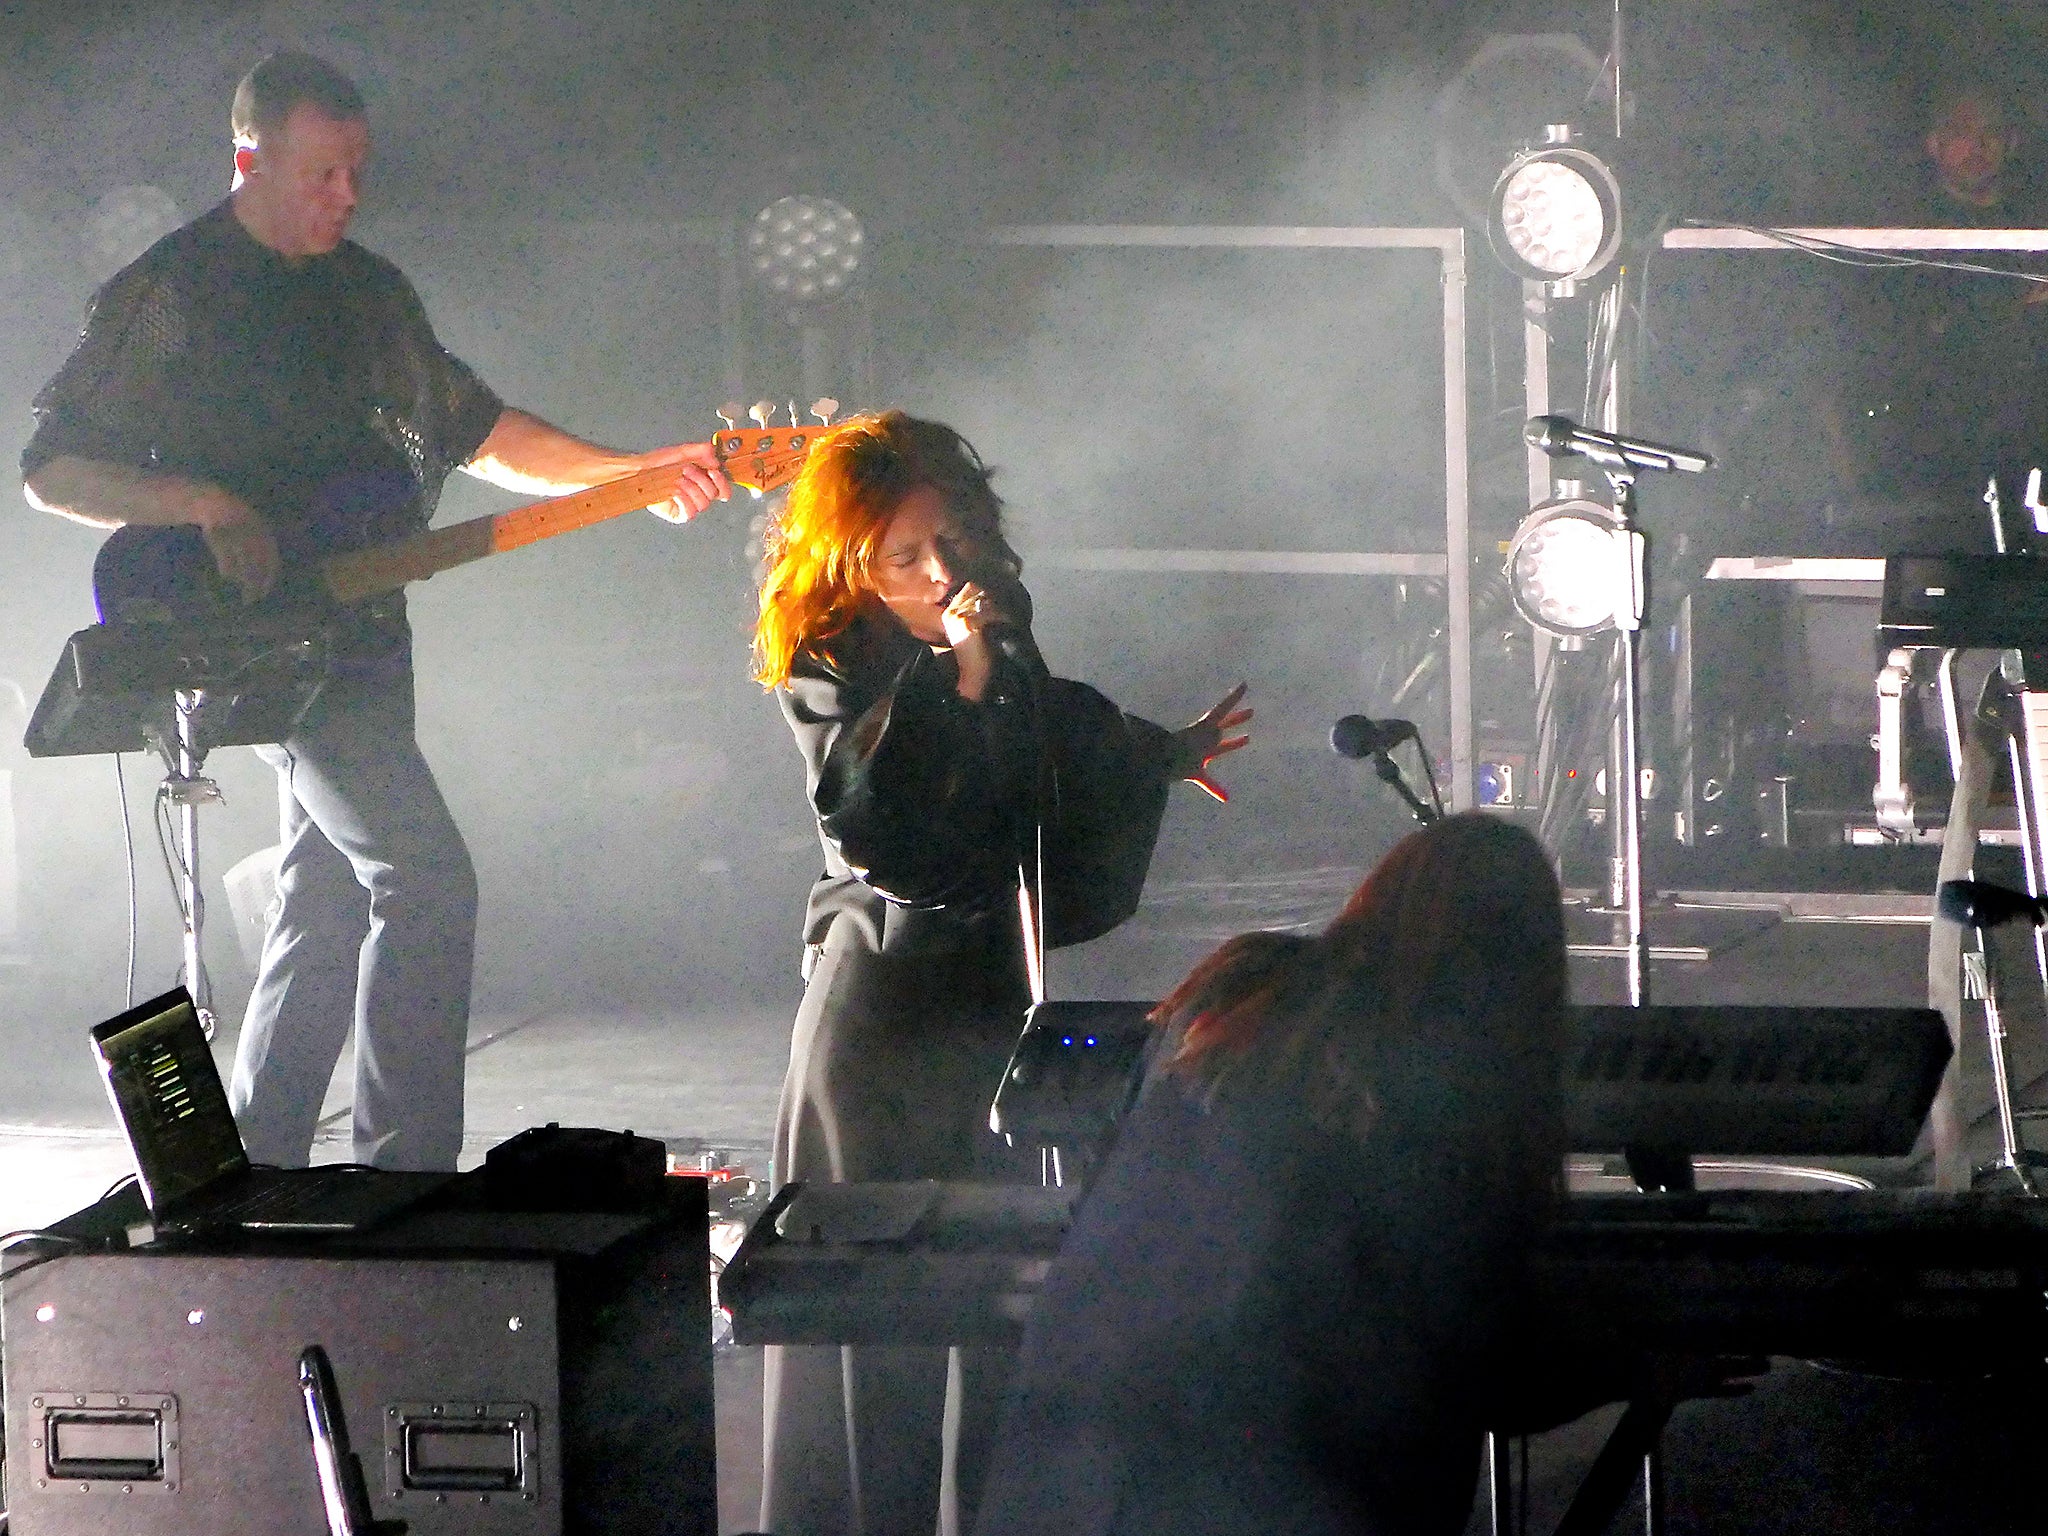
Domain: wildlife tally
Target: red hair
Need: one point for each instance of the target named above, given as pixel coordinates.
(1457, 935)
(822, 546)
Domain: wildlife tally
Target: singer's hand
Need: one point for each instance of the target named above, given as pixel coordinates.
(1204, 739)
(965, 617)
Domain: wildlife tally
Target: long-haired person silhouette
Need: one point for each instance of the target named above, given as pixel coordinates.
(1281, 1302)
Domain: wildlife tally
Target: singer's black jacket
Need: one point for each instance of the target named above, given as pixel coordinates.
(924, 801)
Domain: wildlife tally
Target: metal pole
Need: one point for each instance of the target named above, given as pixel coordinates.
(1629, 805)
(1626, 797)
(1458, 527)
(1536, 384)
(1614, 60)
(190, 791)
(1500, 1486)
(1536, 402)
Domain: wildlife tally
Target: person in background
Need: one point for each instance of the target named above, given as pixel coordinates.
(1283, 1299)
(1943, 378)
(1978, 175)
(946, 768)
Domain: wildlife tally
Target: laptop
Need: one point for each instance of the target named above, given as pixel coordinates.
(195, 1174)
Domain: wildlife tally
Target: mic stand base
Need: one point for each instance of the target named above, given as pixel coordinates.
(2020, 1174)
(1596, 930)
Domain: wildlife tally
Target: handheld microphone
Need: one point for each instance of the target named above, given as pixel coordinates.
(1012, 641)
(1008, 629)
(1980, 904)
(1360, 736)
(1560, 436)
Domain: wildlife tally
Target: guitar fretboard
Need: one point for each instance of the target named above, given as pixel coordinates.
(368, 572)
(764, 459)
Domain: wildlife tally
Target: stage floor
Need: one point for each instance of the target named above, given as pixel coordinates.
(708, 1082)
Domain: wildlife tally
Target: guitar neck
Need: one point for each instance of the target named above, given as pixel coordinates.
(366, 573)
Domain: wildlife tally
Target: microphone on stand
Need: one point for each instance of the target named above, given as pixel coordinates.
(1560, 436)
(1980, 904)
(1361, 736)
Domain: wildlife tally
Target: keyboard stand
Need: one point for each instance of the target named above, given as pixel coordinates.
(2012, 718)
(181, 689)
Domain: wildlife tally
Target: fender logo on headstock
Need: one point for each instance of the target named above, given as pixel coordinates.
(762, 461)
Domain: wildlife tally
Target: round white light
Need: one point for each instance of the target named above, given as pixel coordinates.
(1552, 217)
(1556, 215)
(805, 248)
(1568, 568)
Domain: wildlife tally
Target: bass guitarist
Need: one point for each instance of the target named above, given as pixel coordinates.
(259, 382)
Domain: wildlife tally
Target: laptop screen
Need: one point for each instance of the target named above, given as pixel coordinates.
(167, 1092)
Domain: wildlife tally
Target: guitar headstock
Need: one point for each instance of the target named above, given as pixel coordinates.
(764, 458)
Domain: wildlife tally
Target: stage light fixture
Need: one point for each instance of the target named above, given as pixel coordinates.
(805, 249)
(1568, 567)
(1504, 94)
(1555, 216)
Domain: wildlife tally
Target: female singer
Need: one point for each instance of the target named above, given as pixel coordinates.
(1279, 1304)
(946, 769)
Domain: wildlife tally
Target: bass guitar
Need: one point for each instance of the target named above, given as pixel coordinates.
(159, 573)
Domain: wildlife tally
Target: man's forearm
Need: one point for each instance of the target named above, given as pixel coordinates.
(106, 495)
(524, 453)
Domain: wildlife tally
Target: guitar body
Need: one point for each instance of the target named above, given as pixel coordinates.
(153, 573)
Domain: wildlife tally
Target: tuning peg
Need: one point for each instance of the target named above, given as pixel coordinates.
(730, 413)
(761, 411)
(794, 419)
(824, 408)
